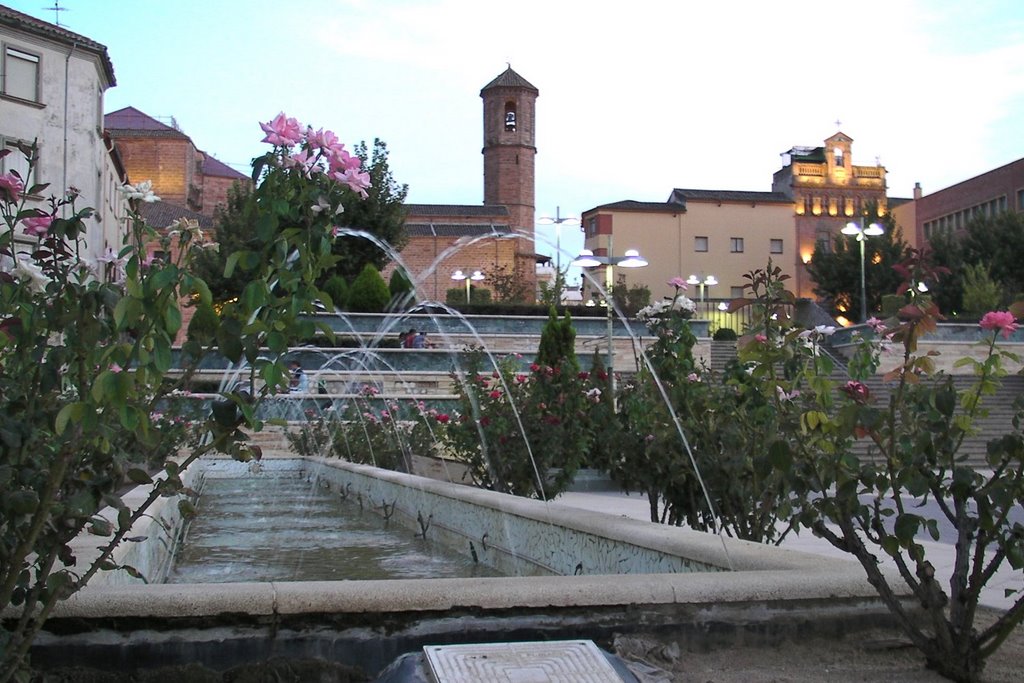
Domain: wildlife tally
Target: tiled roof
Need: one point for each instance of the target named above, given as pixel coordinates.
(808, 154)
(159, 215)
(130, 122)
(455, 210)
(509, 79)
(453, 229)
(682, 195)
(218, 168)
(24, 22)
(633, 205)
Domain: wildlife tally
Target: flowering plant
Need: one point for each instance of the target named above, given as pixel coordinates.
(86, 360)
(875, 465)
(677, 305)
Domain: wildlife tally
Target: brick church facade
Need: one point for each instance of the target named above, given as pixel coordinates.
(497, 236)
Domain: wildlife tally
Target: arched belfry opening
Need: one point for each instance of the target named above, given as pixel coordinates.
(510, 116)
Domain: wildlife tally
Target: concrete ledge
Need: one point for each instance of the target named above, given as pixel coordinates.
(770, 594)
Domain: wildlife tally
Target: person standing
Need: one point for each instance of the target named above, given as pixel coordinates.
(299, 383)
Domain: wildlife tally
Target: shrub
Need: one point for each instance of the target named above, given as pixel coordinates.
(368, 293)
(204, 323)
(337, 289)
(724, 334)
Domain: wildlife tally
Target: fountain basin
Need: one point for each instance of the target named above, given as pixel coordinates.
(768, 593)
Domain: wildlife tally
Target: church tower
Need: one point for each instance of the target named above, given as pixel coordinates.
(509, 151)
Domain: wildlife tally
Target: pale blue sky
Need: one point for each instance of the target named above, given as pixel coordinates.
(635, 98)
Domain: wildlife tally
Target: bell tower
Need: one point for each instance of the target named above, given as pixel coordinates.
(509, 151)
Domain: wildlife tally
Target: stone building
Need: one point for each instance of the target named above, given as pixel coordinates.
(724, 234)
(828, 191)
(182, 175)
(952, 208)
(497, 236)
(51, 91)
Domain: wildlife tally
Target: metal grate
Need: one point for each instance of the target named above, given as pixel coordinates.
(560, 661)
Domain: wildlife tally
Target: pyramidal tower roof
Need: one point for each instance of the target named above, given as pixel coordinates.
(509, 79)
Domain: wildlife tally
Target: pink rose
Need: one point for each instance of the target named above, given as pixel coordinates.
(999, 321)
(37, 225)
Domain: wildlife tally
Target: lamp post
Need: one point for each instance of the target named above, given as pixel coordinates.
(477, 276)
(558, 221)
(631, 259)
(862, 234)
(709, 281)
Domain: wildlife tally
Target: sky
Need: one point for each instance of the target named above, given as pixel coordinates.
(635, 98)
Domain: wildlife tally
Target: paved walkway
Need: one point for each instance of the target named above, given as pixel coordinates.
(939, 554)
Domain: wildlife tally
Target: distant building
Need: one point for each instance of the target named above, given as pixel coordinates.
(500, 232)
(182, 175)
(828, 191)
(51, 91)
(717, 234)
(725, 234)
(952, 208)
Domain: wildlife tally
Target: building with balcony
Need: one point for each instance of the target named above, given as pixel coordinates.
(725, 234)
(827, 191)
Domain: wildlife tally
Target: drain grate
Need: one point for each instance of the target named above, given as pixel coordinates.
(558, 661)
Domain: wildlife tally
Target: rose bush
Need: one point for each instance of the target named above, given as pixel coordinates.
(86, 358)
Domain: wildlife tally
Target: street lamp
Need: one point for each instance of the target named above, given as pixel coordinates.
(477, 276)
(631, 259)
(558, 221)
(709, 281)
(862, 234)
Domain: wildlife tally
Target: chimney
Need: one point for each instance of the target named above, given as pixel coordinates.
(917, 190)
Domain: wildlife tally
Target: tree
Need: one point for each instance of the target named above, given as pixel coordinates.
(511, 286)
(836, 271)
(382, 213)
(996, 242)
(981, 292)
(233, 232)
(368, 293)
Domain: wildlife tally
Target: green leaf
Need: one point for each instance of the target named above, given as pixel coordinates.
(172, 319)
(266, 226)
(23, 502)
(162, 356)
(100, 527)
(139, 476)
(780, 456)
(72, 412)
(229, 265)
(187, 509)
(905, 527)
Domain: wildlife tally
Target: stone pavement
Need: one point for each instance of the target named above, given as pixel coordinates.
(634, 505)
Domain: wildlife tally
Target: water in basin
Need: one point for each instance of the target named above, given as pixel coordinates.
(264, 527)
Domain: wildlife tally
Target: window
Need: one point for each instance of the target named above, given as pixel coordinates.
(591, 227)
(823, 241)
(15, 161)
(736, 245)
(21, 74)
(838, 152)
(700, 244)
(775, 246)
(510, 116)
(1020, 200)
(736, 292)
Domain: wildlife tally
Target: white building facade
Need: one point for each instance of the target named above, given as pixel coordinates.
(52, 83)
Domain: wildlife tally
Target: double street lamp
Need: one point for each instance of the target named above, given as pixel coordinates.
(477, 276)
(631, 259)
(709, 281)
(862, 233)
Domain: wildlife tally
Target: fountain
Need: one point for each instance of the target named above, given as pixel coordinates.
(573, 574)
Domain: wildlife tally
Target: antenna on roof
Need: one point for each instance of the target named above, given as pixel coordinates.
(56, 9)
